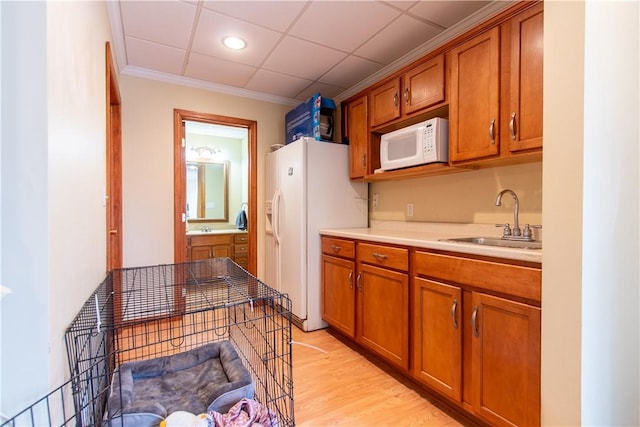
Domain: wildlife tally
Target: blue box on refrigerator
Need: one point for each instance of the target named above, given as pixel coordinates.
(314, 118)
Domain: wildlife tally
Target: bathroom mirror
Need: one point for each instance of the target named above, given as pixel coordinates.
(208, 191)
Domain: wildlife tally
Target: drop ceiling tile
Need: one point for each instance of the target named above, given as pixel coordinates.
(302, 59)
(328, 22)
(400, 37)
(349, 72)
(218, 70)
(154, 56)
(446, 13)
(402, 5)
(276, 15)
(162, 22)
(212, 27)
(277, 83)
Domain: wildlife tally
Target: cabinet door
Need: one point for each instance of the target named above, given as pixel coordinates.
(385, 103)
(221, 251)
(506, 361)
(525, 115)
(357, 131)
(338, 294)
(200, 252)
(437, 336)
(383, 313)
(475, 98)
(423, 86)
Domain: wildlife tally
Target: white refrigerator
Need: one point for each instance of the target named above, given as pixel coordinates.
(307, 189)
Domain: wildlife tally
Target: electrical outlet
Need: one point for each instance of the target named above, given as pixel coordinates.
(409, 209)
(375, 200)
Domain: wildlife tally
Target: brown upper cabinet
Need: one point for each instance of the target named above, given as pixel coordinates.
(525, 101)
(420, 87)
(495, 111)
(487, 82)
(474, 110)
(357, 133)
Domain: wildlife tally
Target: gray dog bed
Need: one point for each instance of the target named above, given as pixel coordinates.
(207, 378)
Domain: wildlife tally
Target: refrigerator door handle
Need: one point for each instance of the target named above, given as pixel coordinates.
(276, 216)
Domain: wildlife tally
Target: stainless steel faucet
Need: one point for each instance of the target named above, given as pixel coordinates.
(508, 232)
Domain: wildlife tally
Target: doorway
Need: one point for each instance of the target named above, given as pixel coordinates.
(181, 118)
(113, 191)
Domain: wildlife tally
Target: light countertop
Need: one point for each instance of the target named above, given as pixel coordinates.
(429, 235)
(215, 231)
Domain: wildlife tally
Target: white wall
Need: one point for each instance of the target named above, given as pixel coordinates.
(147, 151)
(562, 212)
(25, 262)
(590, 331)
(76, 36)
(53, 177)
(610, 277)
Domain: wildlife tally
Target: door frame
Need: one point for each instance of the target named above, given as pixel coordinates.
(179, 180)
(113, 190)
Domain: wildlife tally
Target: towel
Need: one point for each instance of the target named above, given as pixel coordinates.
(241, 220)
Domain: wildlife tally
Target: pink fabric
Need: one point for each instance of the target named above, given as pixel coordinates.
(245, 413)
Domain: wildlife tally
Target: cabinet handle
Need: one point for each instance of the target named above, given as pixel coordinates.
(379, 257)
(359, 281)
(492, 133)
(474, 319)
(336, 248)
(512, 126)
(406, 96)
(350, 279)
(454, 307)
(395, 100)
(364, 161)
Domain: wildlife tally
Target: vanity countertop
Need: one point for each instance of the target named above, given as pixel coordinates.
(429, 235)
(218, 231)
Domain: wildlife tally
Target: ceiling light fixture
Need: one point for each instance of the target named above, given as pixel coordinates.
(233, 42)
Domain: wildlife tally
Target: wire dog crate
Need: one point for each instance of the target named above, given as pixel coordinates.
(151, 312)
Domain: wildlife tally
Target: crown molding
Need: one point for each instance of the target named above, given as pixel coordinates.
(208, 86)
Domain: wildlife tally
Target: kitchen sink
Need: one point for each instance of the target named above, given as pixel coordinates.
(496, 241)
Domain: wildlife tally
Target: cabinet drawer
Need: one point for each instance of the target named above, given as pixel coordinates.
(524, 282)
(241, 238)
(384, 256)
(338, 247)
(211, 239)
(242, 261)
(240, 249)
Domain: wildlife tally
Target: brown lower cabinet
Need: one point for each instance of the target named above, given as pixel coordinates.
(338, 289)
(505, 361)
(437, 336)
(474, 322)
(480, 350)
(205, 246)
(382, 301)
(241, 249)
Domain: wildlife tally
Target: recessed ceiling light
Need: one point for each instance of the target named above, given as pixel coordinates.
(235, 43)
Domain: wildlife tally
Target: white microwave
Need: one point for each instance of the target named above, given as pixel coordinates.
(419, 144)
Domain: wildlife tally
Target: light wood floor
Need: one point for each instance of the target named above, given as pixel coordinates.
(343, 388)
